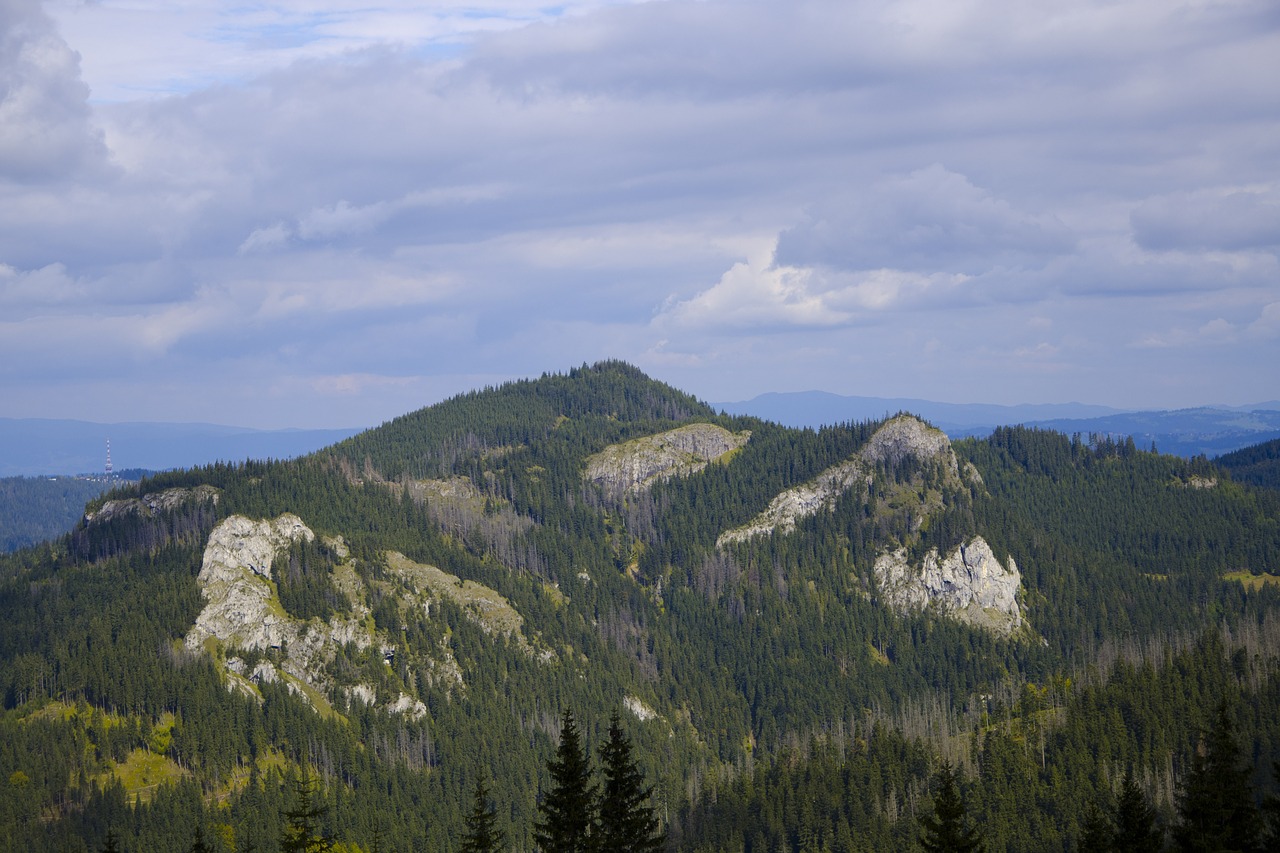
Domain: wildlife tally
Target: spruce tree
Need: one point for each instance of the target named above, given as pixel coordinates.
(627, 821)
(567, 813)
(482, 834)
(301, 833)
(1216, 811)
(947, 829)
(1136, 829)
(1097, 835)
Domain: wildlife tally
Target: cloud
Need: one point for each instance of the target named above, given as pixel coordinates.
(759, 192)
(931, 219)
(46, 129)
(761, 294)
(1209, 220)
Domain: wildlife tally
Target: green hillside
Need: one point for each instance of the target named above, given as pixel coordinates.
(409, 612)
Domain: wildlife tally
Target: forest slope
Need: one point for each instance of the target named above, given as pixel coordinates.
(428, 529)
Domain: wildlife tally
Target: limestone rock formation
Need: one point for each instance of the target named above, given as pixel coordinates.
(636, 465)
(902, 437)
(150, 505)
(969, 584)
(482, 605)
(242, 611)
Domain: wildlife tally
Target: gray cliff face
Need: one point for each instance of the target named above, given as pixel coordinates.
(908, 437)
(150, 505)
(969, 584)
(900, 438)
(242, 611)
(636, 465)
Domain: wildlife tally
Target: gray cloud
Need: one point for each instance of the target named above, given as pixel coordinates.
(930, 220)
(1230, 221)
(975, 200)
(46, 130)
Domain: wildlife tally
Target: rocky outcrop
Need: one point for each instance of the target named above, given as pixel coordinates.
(242, 610)
(152, 504)
(906, 436)
(482, 605)
(637, 465)
(900, 438)
(969, 584)
(243, 613)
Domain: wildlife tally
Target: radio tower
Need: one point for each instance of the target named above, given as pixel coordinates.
(110, 477)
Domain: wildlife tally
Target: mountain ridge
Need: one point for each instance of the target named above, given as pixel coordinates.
(724, 658)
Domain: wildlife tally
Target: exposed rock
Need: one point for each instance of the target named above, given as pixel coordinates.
(801, 502)
(151, 504)
(407, 705)
(638, 464)
(907, 436)
(1195, 481)
(242, 610)
(641, 711)
(969, 584)
(900, 438)
(361, 693)
(484, 606)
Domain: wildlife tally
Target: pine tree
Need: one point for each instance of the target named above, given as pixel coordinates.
(301, 833)
(198, 844)
(482, 835)
(111, 844)
(567, 813)
(947, 830)
(1136, 830)
(1098, 835)
(1216, 810)
(627, 821)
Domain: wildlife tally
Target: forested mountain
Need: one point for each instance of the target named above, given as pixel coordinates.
(1259, 465)
(796, 626)
(33, 509)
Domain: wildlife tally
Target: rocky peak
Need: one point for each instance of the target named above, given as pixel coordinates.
(907, 436)
(969, 584)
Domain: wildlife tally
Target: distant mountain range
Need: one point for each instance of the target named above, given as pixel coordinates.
(36, 446)
(1209, 431)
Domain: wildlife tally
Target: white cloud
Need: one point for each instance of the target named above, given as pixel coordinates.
(761, 293)
(45, 126)
(266, 238)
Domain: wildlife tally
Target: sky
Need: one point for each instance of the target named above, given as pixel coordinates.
(321, 214)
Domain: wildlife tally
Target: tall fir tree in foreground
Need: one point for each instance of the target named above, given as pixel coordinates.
(1136, 828)
(567, 813)
(1216, 811)
(1097, 835)
(947, 830)
(483, 835)
(627, 820)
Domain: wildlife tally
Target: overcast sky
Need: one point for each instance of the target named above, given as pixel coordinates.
(293, 213)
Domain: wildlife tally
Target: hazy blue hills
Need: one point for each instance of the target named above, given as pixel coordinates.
(39, 446)
(1209, 431)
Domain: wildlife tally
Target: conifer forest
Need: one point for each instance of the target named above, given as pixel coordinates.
(588, 612)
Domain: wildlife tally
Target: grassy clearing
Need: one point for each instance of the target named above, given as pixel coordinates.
(143, 772)
(1252, 581)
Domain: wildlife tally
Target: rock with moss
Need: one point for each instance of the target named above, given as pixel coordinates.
(637, 465)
